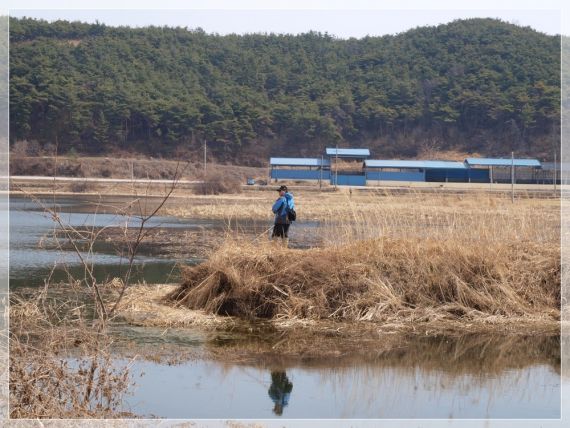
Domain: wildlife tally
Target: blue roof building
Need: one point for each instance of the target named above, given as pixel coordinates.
(413, 164)
(530, 163)
(299, 168)
(421, 170)
(345, 166)
(348, 153)
(310, 162)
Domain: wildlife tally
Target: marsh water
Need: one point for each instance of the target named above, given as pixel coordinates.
(35, 254)
(423, 377)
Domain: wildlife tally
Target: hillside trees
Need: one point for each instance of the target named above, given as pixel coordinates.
(477, 85)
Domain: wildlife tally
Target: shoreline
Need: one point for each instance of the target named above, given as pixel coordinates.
(144, 306)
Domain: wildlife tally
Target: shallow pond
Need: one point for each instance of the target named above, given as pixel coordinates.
(209, 390)
(437, 377)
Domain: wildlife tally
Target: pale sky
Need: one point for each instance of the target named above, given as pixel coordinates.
(341, 19)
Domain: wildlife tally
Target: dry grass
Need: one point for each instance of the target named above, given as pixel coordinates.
(394, 259)
(60, 364)
(477, 214)
(382, 280)
(214, 183)
(143, 305)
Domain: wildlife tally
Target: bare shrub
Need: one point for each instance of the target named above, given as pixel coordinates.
(19, 148)
(60, 360)
(215, 183)
(25, 148)
(81, 186)
(60, 366)
(69, 168)
(106, 172)
(49, 149)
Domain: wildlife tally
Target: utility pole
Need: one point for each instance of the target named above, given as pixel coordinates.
(321, 174)
(555, 164)
(204, 157)
(512, 177)
(336, 168)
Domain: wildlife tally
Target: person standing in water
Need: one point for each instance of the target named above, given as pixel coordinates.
(282, 209)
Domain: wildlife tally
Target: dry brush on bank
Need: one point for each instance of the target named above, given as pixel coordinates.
(60, 363)
(383, 280)
(441, 259)
(120, 166)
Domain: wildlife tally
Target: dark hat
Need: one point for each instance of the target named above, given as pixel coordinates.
(282, 188)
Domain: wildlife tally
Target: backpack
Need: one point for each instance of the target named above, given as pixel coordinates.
(290, 212)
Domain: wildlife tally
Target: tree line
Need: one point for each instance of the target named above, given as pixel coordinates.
(473, 85)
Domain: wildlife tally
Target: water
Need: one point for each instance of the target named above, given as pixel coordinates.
(34, 253)
(209, 390)
(525, 386)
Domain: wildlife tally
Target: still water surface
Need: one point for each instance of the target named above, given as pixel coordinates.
(34, 253)
(206, 389)
(425, 377)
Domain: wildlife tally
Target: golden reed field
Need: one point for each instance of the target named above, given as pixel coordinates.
(386, 257)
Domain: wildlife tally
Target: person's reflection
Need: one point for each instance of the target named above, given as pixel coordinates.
(280, 391)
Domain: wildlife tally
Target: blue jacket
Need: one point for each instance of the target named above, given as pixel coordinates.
(279, 208)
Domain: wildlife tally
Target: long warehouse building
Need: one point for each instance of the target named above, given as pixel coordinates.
(352, 167)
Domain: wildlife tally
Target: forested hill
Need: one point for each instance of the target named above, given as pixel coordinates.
(477, 85)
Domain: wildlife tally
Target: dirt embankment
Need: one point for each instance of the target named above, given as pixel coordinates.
(123, 168)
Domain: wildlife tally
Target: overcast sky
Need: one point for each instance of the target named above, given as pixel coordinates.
(341, 23)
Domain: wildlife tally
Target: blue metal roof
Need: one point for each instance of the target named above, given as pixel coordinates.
(549, 166)
(502, 162)
(355, 153)
(298, 162)
(423, 164)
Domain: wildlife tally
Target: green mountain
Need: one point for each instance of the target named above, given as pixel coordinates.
(471, 85)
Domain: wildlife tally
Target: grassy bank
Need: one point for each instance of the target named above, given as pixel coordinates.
(393, 259)
(122, 167)
(61, 365)
(383, 281)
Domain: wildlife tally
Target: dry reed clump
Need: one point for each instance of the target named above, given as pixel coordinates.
(143, 305)
(60, 366)
(380, 280)
(214, 183)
